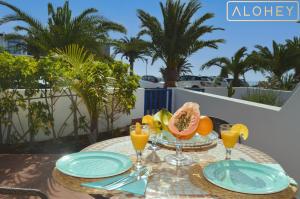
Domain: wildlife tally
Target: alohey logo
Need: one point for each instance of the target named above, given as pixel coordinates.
(262, 10)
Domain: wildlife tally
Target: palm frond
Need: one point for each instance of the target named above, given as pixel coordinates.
(278, 61)
(86, 29)
(218, 61)
(180, 33)
(75, 55)
(111, 26)
(240, 54)
(84, 14)
(19, 16)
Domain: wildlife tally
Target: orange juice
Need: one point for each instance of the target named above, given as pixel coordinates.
(139, 140)
(230, 138)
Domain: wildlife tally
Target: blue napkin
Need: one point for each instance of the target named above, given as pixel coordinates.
(279, 168)
(138, 187)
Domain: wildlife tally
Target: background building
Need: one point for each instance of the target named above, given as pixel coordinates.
(12, 46)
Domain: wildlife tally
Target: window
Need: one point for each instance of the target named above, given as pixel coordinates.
(182, 78)
(153, 79)
(204, 79)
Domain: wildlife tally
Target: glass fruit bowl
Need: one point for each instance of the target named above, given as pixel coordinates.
(168, 140)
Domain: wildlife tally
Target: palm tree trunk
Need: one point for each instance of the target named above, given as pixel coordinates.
(93, 127)
(1, 135)
(297, 73)
(75, 119)
(235, 81)
(223, 73)
(278, 74)
(171, 77)
(131, 62)
(52, 113)
(9, 129)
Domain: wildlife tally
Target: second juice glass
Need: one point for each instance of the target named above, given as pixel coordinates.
(229, 138)
(139, 135)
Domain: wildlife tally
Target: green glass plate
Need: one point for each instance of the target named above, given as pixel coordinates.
(198, 140)
(93, 164)
(246, 177)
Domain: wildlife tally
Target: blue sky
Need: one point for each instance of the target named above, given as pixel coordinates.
(236, 34)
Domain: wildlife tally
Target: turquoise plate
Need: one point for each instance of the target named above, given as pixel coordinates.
(246, 177)
(93, 164)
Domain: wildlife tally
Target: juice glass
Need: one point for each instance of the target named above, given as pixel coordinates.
(139, 141)
(154, 134)
(229, 138)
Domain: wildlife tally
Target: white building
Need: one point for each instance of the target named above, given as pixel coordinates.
(12, 46)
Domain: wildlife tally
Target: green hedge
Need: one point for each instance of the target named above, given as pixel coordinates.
(24, 78)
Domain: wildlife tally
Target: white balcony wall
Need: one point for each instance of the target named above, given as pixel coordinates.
(62, 111)
(242, 91)
(273, 130)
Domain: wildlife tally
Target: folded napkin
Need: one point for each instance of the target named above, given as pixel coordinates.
(138, 187)
(279, 168)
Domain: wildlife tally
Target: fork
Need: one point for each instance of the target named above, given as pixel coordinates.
(142, 175)
(132, 174)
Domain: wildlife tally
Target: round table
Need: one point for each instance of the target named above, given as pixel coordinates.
(167, 181)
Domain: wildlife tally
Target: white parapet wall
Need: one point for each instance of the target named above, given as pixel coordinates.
(63, 118)
(282, 96)
(273, 130)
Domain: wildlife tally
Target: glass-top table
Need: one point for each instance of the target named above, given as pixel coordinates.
(167, 181)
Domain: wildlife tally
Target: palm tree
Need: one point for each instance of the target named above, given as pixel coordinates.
(132, 48)
(276, 61)
(184, 67)
(178, 37)
(237, 65)
(294, 48)
(88, 79)
(87, 29)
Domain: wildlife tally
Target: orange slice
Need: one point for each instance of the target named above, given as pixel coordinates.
(138, 128)
(242, 129)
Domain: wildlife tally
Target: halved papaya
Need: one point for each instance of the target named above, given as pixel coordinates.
(184, 123)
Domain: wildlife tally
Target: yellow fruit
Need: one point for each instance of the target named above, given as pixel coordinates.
(242, 130)
(148, 119)
(138, 128)
(163, 117)
(151, 122)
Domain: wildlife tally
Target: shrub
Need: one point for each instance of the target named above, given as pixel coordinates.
(265, 97)
(20, 72)
(120, 99)
(34, 86)
(287, 82)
